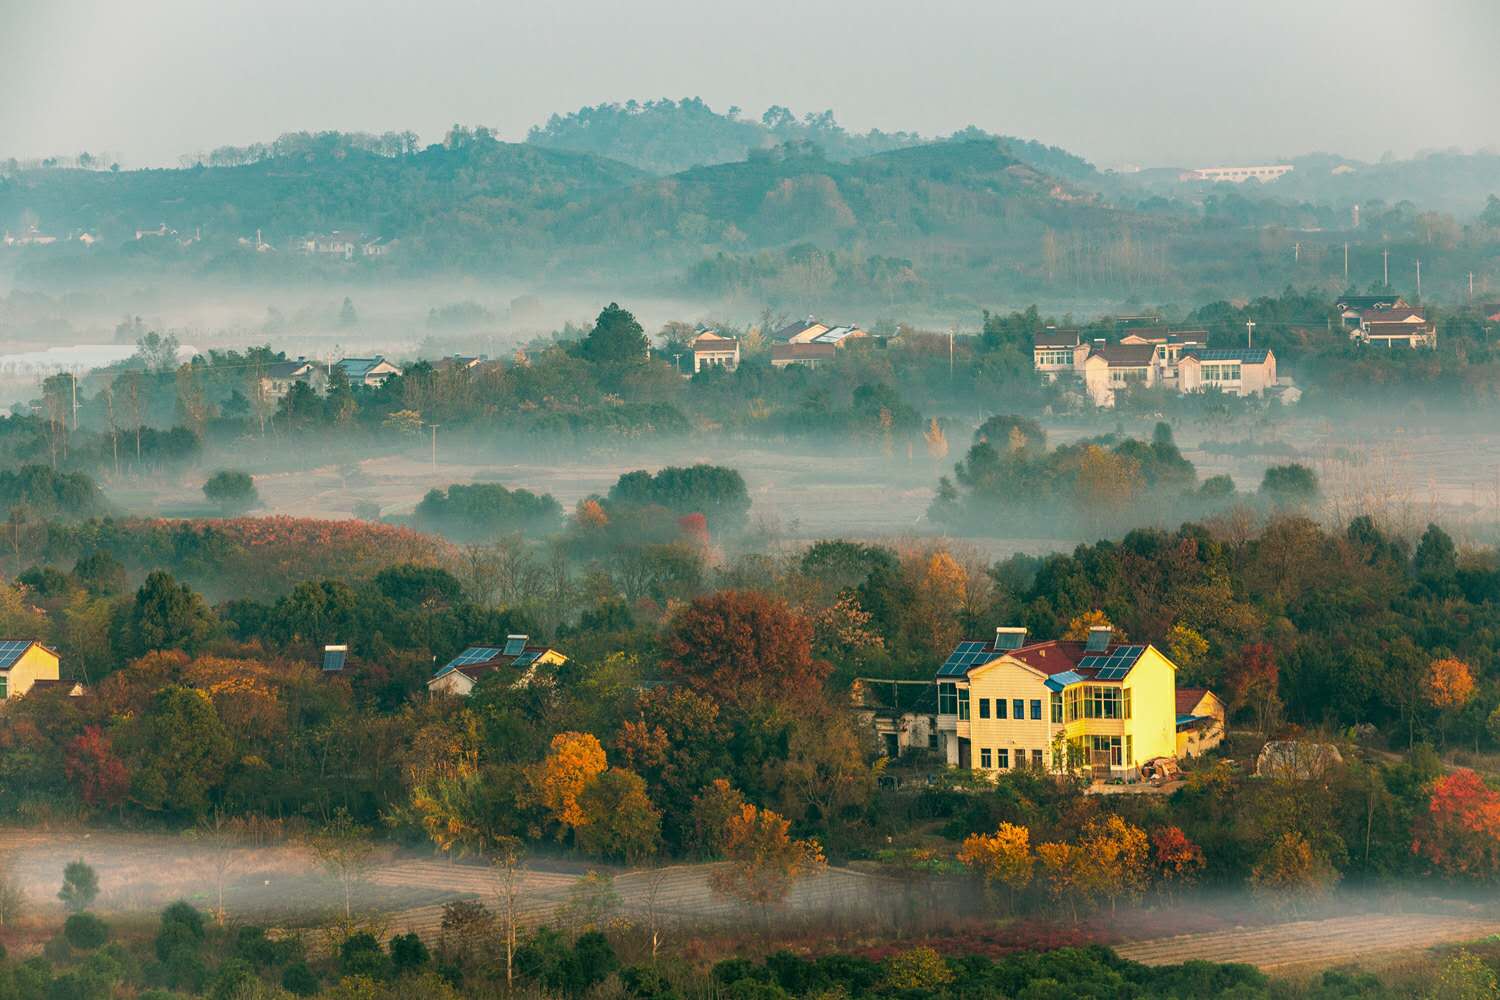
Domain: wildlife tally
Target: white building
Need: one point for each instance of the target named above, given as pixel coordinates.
(713, 350)
(1238, 175)
(1234, 371)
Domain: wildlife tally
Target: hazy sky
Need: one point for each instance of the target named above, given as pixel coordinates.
(1180, 82)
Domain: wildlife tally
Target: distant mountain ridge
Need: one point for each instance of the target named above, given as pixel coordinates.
(667, 137)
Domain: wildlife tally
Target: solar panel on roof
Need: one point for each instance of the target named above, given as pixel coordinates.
(11, 650)
(963, 657)
(474, 654)
(1098, 639)
(514, 644)
(334, 657)
(527, 658)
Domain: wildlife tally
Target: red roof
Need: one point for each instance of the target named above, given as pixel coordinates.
(1188, 698)
(1056, 656)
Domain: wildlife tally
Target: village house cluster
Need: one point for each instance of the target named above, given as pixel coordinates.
(336, 244)
(1148, 357)
(280, 376)
(1386, 321)
(807, 343)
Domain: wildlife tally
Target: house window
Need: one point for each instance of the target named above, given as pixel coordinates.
(984, 708)
(999, 708)
(1004, 758)
(932, 740)
(1101, 702)
(4, 687)
(1036, 759)
(1105, 747)
(963, 703)
(947, 699)
(1127, 704)
(1036, 710)
(984, 758)
(1057, 708)
(1018, 709)
(1129, 752)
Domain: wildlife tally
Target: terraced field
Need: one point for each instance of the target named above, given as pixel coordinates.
(679, 894)
(1313, 943)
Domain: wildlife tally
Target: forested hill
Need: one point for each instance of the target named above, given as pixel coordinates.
(482, 205)
(324, 184)
(667, 137)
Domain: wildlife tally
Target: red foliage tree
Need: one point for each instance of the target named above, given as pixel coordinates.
(1460, 834)
(1253, 679)
(694, 528)
(744, 648)
(91, 765)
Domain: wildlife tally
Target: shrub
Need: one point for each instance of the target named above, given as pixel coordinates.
(408, 953)
(232, 491)
(80, 886)
(85, 931)
(300, 979)
(483, 511)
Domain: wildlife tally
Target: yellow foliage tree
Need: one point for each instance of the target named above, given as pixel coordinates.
(917, 969)
(1065, 868)
(1186, 646)
(1078, 628)
(1001, 858)
(1119, 854)
(1292, 870)
(558, 780)
(937, 441)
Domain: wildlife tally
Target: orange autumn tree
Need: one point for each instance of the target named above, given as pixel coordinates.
(1448, 687)
(1449, 684)
(559, 779)
(762, 860)
(1001, 858)
(1460, 833)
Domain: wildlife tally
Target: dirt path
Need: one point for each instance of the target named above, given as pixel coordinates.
(1333, 941)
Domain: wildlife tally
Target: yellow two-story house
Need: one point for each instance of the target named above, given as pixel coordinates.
(1058, 705)
(23, 662)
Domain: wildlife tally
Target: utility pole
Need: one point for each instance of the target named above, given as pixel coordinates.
(434, 446)
(75, 399)
(1297, 252)
(1471, 286)
(1249, 333)
(1419, 277)
(1346, 265)
(1385, 255)
(675, 366)
(950, 352)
